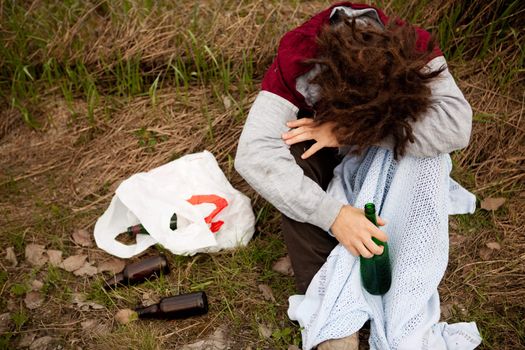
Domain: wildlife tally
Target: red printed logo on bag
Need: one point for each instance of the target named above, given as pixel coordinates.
(219, 202)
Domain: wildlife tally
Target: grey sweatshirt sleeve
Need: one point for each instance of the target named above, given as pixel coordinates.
(265, 162)
(447, 124)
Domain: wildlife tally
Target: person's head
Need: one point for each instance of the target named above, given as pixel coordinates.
(372, 83)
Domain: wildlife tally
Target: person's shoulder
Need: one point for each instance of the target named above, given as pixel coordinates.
(423, 38)
(295, 47)
(423, 41)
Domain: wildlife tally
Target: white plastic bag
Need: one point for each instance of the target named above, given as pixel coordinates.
(194, 188)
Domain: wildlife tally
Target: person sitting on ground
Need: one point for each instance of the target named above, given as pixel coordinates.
(348, 79)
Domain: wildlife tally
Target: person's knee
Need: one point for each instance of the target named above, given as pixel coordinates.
(319, 167)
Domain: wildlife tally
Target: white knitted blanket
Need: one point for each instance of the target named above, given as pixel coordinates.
(415, 197)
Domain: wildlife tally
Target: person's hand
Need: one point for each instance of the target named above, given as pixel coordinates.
(354, 231)
(306, 129)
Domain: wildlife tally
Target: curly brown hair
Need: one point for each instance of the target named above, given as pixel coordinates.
(372, 83)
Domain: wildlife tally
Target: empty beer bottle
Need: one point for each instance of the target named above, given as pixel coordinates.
(136, 229)
(175, 307)
(375, 271)
(140, 271)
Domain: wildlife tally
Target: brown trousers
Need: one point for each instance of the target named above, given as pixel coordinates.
(308, 245)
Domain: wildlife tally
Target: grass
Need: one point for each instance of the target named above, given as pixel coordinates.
(94, 91)
(145, 337)
(16, 239)
(19, 289)
(230, 282)
(20, 318)
(196, 60)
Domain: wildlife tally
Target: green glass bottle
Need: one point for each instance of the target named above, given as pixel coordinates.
(375, 271)
(136, 229)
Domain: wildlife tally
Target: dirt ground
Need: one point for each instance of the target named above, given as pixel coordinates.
(55, 181)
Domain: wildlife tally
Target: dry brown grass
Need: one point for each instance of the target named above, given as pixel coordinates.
(74, 165)
(491, 283)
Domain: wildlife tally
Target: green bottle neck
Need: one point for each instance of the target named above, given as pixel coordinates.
(372, 217)
(370, 213)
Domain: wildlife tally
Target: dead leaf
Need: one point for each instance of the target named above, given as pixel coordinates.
(226, 101)
(33, 300)
(112, 265)
(94, 305)
(95, 327)
(485, 253)
(86, 270)
(5, 322)
(446, 310)
(284, 266)
(462, 309)
(493, 245)
(42, 343)
(149, 298)
(83, 238)
(457, 239)
(265, 331)
(35, 254)
(89, 305)
(11, 256)
(26, 339)
(73, 263)
(492, 204)
(88, 324)
(125, 316)
(293, 347)
(36, 285)
(55, 257)
(216, 341)
(266, 291)
(79, 300)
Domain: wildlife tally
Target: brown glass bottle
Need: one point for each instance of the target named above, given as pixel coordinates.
(140, 271)
(176, 307)
(139, 229)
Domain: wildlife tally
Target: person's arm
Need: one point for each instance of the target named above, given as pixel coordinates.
(447, 124)
(265, 162)
(444, 128)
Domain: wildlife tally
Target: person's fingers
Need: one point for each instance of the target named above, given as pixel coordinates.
(311, 151)
(373, 247)
(295, 132)
(377, 233)
(363, 251)
(289, 134)
(299, 122)
(353, 251)
(380, 221)
(303, 136)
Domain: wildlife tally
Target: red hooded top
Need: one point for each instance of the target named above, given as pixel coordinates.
(299, 44)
